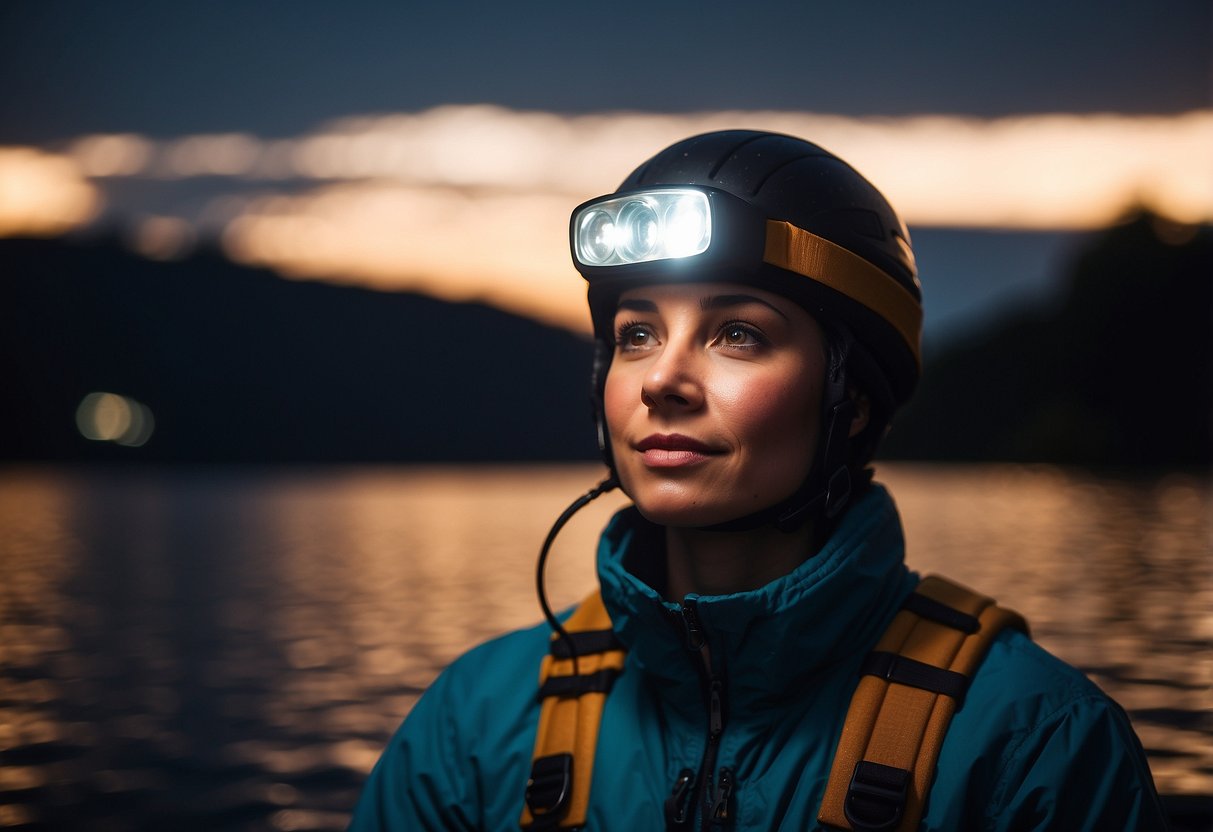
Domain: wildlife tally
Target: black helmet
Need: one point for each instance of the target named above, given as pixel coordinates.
(781, 214)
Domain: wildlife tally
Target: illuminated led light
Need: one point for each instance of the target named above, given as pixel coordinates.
(638, 231)
(109, 417)
(597, 235)
(642, 227)
(688, 227)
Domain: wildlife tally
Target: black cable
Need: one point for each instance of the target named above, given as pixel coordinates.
(594, 493)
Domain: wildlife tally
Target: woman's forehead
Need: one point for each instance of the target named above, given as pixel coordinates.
(703, 293)
(713, 296)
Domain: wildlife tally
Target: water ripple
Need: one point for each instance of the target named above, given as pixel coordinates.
(232, 649)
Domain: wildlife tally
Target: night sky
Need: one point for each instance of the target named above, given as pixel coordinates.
(278, 67)
(275, 70)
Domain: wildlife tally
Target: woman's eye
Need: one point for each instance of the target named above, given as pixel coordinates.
(740, 335)
(633, 336)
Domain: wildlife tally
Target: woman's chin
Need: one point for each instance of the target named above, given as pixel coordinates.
(684, 513)
(674, 505)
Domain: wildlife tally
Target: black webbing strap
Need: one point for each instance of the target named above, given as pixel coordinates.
(586, 642)
(598, 682)
(941, 613)
(916, 674)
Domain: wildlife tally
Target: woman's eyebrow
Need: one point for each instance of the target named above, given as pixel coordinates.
(726, 301)
(637, 305)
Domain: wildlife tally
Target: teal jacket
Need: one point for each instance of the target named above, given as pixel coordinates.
(1035, 745)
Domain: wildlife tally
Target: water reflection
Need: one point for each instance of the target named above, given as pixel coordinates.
(1113, 576)
(231, 649)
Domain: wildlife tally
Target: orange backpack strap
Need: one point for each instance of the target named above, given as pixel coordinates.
(911, 685)
(562, 765)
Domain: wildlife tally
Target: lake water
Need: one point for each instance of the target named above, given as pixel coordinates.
(230, 648)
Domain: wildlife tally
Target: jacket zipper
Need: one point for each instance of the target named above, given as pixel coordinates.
(713, 794)
(680, 805)
(695, 637)
(720, 811)
(714, 798)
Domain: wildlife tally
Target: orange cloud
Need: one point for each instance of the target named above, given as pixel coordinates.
(42, 194)
(510, 250)
(472, 202)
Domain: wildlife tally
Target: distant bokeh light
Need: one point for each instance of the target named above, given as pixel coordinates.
(110, 417)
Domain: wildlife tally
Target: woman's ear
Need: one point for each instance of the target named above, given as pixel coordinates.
(863, 410)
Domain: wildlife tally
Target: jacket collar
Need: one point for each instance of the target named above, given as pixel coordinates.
(773, 639)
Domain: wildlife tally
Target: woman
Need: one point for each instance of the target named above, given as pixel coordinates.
(757, 314)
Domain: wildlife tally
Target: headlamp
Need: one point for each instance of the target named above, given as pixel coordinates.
(641, 227)
(695, 233)
(665, 228)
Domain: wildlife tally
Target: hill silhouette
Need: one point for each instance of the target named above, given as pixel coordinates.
(240, 365)
(1118, 375)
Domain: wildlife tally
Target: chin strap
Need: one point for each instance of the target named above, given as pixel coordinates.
(834, 469)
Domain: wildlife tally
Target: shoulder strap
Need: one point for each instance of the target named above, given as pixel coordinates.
(911, 685)
(558, 791)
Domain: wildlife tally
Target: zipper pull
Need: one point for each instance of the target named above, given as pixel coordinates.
(694, 629)
(715, 709)
(719, 811)
(682, 797)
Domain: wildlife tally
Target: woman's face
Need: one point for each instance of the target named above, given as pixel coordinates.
(712, 400)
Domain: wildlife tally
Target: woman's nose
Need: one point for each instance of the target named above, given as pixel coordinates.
(673, 381)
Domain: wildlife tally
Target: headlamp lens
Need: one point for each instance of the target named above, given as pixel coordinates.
(687, 227)
(596, 236)
(638, 224)
(641, 227)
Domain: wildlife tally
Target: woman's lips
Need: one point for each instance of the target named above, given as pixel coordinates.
(673, 450)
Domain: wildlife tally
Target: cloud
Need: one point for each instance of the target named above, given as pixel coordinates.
(1043, 171)
(42, 194)
(473, 201)
(508, 249)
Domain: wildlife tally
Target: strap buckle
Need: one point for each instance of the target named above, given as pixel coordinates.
(550, 784)
(877, 796)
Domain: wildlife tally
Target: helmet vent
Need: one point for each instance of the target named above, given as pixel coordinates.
(725, 158)
(865, 222)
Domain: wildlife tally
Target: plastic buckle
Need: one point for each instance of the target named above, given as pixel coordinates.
(876, 798)
(550, 785)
